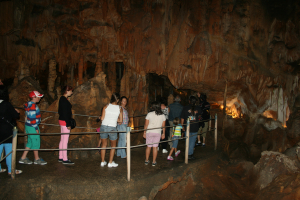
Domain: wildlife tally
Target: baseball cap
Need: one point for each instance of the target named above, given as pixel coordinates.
(35, 94)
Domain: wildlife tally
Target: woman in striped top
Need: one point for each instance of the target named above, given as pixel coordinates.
(122, 127)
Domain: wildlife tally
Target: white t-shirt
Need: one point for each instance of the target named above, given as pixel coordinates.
(155, 121)
(112, 113)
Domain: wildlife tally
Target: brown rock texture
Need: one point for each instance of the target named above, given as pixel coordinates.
(90, 98)
(253, 45)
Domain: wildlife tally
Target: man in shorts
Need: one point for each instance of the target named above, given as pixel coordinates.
(33, 119)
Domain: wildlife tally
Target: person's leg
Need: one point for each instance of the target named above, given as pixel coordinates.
(8, 149)
(29, 144)
(64, 141)
(156, 138)
(154, 154)
(148, 149)
(60, 146)
(192, 141)
(103, 151)
(165, 144)
(112, 151)
(170, 154)
(1, 148)
(122, 141)
(36, 144)
(205, 130)
(170, 133)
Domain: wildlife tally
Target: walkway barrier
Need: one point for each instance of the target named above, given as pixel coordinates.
(128, 146)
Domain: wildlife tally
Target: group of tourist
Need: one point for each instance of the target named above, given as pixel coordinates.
(162, 123)
(175, 116)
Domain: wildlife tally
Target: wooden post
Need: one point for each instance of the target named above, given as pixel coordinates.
(216, 131)
(128, 152)
(14, 152)
(187, 142)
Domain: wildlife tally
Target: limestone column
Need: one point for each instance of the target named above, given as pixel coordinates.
(80, 70)
(52, 77)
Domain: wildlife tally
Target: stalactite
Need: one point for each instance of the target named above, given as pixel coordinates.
(52, 77)
(80, 70)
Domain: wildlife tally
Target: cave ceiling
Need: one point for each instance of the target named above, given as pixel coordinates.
(252, 46)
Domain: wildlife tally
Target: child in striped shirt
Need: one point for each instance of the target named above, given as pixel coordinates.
(176, 135)
(33, 119)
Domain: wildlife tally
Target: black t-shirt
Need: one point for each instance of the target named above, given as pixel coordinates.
(194, 117)
(9, 113)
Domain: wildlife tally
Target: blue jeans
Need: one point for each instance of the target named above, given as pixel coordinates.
(192, 141)
(107, 129)
(8, 148)
(175, 142)
(122, 140)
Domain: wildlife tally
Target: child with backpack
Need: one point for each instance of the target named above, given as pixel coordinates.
(176, 135)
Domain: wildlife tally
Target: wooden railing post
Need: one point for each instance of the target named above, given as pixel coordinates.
(216, 131)
(14, 152)
(128, 153)
(187, 142)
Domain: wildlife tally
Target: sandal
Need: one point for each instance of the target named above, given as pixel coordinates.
(2, 170)
(17, 172)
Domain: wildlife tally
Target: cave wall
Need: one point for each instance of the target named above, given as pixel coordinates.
(198, 45)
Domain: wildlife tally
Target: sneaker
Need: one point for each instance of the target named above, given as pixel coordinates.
(154, 164)
(198, 144)
(40, 162)
(68, 162)
(112, 164)
(146, 162)
(170, 158)
(203, 144)
(191, 157)
(164, 151)
(25, 161)
(177, 153)
(60, 160)
(103, 164)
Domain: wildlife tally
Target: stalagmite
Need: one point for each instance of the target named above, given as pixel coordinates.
(112, 76)
(52, 77)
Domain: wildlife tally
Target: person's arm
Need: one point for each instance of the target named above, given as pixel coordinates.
(164, 130)
(120, 118)
(182, 121)
(103, 113)
(145, 127)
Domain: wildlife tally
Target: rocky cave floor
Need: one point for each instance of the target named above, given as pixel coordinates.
(210, 176)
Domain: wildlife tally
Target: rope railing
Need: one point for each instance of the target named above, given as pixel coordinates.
(6, 156)
(128, 147)
(82, 115)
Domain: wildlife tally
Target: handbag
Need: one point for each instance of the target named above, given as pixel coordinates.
(73, 123)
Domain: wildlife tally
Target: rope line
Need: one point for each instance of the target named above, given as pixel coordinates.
(79, 114)
(6, 156)
(96, 148)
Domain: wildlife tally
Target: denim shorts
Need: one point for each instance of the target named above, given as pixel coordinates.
(175, 142)
(112, 136)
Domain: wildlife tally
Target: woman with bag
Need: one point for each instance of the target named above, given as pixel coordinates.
(66, 123)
